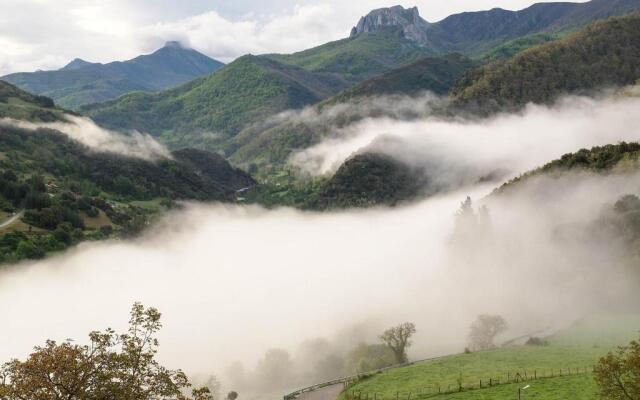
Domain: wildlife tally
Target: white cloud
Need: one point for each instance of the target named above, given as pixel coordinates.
(85, 131)
(445, 147)
(226, 40)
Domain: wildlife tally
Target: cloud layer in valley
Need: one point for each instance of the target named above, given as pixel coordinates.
(462, 150)
(85, 131)
(234, 281)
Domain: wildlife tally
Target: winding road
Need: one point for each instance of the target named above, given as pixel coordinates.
(326, 393)
(11, 220)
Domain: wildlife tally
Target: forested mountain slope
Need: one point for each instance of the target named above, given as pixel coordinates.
(391, 37)
(55, 192)
(209, 111)
(604, 54)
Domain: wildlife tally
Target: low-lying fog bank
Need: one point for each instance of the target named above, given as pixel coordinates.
(235, 281)
(460, 151)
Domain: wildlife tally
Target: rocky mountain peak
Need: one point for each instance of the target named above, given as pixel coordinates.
(173, 44)
(77, 63)
(413, 26)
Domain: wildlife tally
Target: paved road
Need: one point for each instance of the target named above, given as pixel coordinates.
(11, 220)
(326, 393)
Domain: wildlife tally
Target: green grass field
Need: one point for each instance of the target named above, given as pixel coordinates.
(580, 387)
(575, 351)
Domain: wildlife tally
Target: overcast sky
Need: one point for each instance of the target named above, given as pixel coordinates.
(46, 34)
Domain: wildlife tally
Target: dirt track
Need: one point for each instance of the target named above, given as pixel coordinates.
(326, 393)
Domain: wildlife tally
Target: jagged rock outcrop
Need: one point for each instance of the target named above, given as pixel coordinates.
(413, 26)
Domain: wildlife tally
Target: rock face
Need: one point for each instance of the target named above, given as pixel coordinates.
(413, 26)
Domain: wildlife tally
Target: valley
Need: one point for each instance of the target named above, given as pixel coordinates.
(407, 210)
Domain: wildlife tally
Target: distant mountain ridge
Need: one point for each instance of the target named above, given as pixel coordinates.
(208, 111)
(77, 63)
(471, 33)
(81, 82)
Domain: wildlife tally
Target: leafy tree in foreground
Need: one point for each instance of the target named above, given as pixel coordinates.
(397, 339)
(484, 330)
(112, 366)
(618, 373)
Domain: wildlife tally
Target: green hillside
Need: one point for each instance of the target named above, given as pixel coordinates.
(18, 104)
(368, 179)
(81, 82)
(269, 147)
(513, 47)
(618, 158)
(563, 368)
(209, 111)
(356, 59)
(55, 192)
(433, 74)
(604, 54)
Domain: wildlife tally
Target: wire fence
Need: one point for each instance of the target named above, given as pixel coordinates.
(460, 386)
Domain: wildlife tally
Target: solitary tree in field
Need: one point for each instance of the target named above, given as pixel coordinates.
(397, 339)
(618, 374)
(112, 366)
(484, 331)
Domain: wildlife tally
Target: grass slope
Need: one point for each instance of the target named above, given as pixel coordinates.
(604, 54)
(578, 347)
(210, 110)
(18, 104)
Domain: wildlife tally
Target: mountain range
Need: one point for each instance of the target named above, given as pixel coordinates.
(389, 51)
(81, 82)
(472, 33)
(241, 111)
(249, 112)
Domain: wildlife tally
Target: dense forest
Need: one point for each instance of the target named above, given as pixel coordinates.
(604, 54)
(613, 158)
(208, 111)
(69, 193)
(368, 179)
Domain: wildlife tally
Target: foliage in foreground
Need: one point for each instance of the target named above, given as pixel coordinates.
(618, 373)
(112, 366)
